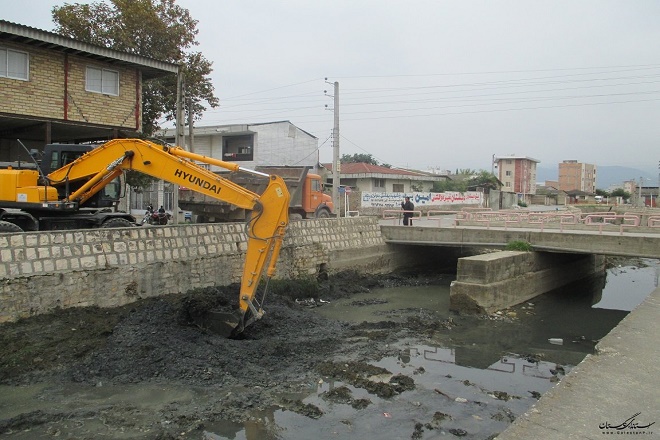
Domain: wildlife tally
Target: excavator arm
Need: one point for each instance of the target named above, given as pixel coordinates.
(265, 229)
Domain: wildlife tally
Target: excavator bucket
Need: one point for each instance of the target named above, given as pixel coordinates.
(226, 324)
(221, 322)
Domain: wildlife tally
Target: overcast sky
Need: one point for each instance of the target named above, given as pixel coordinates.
(441, 84)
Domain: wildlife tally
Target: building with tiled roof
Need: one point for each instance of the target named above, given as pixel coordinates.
(375, 178)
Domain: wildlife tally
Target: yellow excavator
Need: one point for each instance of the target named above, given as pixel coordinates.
(66, 190)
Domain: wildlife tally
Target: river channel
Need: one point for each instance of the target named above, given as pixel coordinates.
(474, 381)
(152, 379)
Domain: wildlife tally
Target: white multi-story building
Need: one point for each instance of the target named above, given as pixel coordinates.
(251, 145)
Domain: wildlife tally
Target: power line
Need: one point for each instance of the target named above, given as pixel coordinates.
(491, 72)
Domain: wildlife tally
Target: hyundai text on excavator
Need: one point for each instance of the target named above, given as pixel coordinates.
(32, 190)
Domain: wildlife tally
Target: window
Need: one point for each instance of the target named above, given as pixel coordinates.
(238, 148)
(508, 173)
(14, 64)
(397, 187)
(102, 81)
(507, 184)
(61, 158)
(379, 183)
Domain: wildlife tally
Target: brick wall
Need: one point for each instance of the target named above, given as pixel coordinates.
(110, 267)
(43, 95)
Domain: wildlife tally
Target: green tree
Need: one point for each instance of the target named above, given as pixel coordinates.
(484, 179)
(358, 158)
(620, 192)
(465, 179)
(602, 192)
(156, 29)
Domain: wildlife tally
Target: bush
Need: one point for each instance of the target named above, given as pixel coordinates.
(518, 245)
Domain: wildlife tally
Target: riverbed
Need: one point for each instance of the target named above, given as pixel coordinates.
(378, 361)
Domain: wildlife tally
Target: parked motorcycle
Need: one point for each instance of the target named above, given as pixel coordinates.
(152, 217)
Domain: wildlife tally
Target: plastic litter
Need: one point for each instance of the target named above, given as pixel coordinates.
(556, 341)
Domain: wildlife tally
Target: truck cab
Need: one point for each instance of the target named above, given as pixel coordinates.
(315, 202)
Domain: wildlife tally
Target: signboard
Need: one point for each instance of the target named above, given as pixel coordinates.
(393, 200)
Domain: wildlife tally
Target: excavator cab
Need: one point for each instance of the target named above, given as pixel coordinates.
(56, 156)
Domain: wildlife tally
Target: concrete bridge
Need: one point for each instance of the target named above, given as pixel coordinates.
(641, 243)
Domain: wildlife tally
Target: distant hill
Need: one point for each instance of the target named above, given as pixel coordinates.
(605, 176)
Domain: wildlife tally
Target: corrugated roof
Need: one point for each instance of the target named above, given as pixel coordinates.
(19, 33)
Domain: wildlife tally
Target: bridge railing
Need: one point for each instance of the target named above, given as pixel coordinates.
(604, 219)
(457, 216)
(506, 217)
(397, 214)
(543, 218)
(520, 218)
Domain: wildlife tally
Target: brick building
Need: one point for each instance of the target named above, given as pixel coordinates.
(574, 175)
(57, 89)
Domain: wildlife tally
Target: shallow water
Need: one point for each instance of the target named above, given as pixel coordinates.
(510, 353)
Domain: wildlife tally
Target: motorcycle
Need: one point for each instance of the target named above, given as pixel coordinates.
(156, 218)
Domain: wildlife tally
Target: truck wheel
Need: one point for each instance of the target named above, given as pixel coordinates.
(9, 227)
(323, 213)
(117, 223)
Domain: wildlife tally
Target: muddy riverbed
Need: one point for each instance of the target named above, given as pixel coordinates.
(147, 371)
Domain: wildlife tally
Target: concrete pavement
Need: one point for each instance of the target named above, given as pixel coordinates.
(613, 392)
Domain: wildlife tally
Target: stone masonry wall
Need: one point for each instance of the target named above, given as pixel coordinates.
(111, 267)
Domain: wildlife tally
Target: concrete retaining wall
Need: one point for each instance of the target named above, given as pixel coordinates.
(111, 267)
(495, 281)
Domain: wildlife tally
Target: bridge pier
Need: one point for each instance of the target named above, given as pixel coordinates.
(494, 281)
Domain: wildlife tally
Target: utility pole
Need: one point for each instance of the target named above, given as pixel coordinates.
(179, 139)
(336, 165)
(191, 135)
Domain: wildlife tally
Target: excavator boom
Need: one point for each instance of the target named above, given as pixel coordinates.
(265, 229)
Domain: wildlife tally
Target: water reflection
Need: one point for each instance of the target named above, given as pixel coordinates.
(482, 402)
(628, 286)
(480, 376)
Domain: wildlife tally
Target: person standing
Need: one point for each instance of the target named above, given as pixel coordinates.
(408, 208)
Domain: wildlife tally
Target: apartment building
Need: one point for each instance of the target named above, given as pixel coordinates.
(574, 175)
(517, 174)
